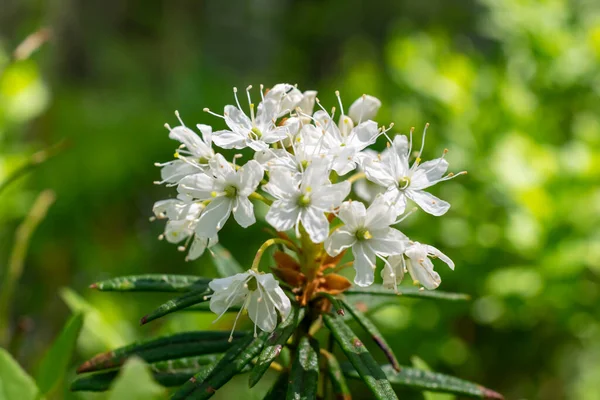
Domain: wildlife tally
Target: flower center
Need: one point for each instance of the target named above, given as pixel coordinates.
(203, 160)
(404, 182)
(252, 284)
(230, 191)
(304, 164)
(255, 132)
(304, 200)
(363, 234)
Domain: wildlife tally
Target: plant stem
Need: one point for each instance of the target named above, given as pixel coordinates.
(266, 245)
(17, 258)
(35, 160)
(357, 176)
(260, 197)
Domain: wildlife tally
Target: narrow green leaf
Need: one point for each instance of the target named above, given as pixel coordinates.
(335, 303)
(178, 303)
(379, 290)
(274, 344)
(53, 366)
(419, 363)
(200, 387)
(336, 376)
(135, 382)
(279, 389)
(360, 358)
(151, 283)
(423, 380)
(165, 348)
(168, 373)
(205, 307)
(224, 262)
(14, 382)
(304, 375)
(372, 330)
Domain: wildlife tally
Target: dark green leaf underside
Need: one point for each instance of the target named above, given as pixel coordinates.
(304, 375)
(274, 344)
(178, 303)
(360, 358)
(201, 386)
(372, 330)
(171, 347)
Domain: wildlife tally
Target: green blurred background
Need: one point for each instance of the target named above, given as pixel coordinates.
(510, 87)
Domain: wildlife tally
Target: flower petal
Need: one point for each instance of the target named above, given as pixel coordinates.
(435, 252)
(329, 197)
(353, 214)
(316, 224)
(282, 215)
(214, 217)
(229, 139)
(250, 175)
(236, 120)
(364, 264)
(243, 212)
(422, 272)
(282, 184)
(388, 241)
(428, 202)
(339, 240)
(261, 310)
(199, 186)
(364, 108)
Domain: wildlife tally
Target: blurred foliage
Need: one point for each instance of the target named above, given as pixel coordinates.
(510, 87)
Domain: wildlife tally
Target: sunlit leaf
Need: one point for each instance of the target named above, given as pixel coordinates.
(53, 366)
(14, 382)
(135, 382)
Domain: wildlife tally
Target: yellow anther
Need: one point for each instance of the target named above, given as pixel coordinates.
(213, 194)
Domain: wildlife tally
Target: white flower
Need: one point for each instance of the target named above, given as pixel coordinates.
(304, 200)
(344, 145)
(227, 190)
(418, 265)
(286, 96)
(193, 154)
(392, 171)
(369, 234)
(260, 131)
(364, 108)
(307, 105)
(183, 214)
(364, 189)
(257, 293)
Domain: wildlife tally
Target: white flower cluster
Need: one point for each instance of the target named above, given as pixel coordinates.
(302, 159)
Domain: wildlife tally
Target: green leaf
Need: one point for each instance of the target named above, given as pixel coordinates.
(135, 382)
(279, 389)
(14, 382)
(201, 387)
(205, 307)
(304, 375)
(178, 303)
(96, 328)
(419, 363)
(379, 290)
(372, 330)
(151, 283)
(168, 373)
(53, 366)
(423, 380)
(274, 344)
(361, 359)
(165, 348)
(336, 376)
(224, 262)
